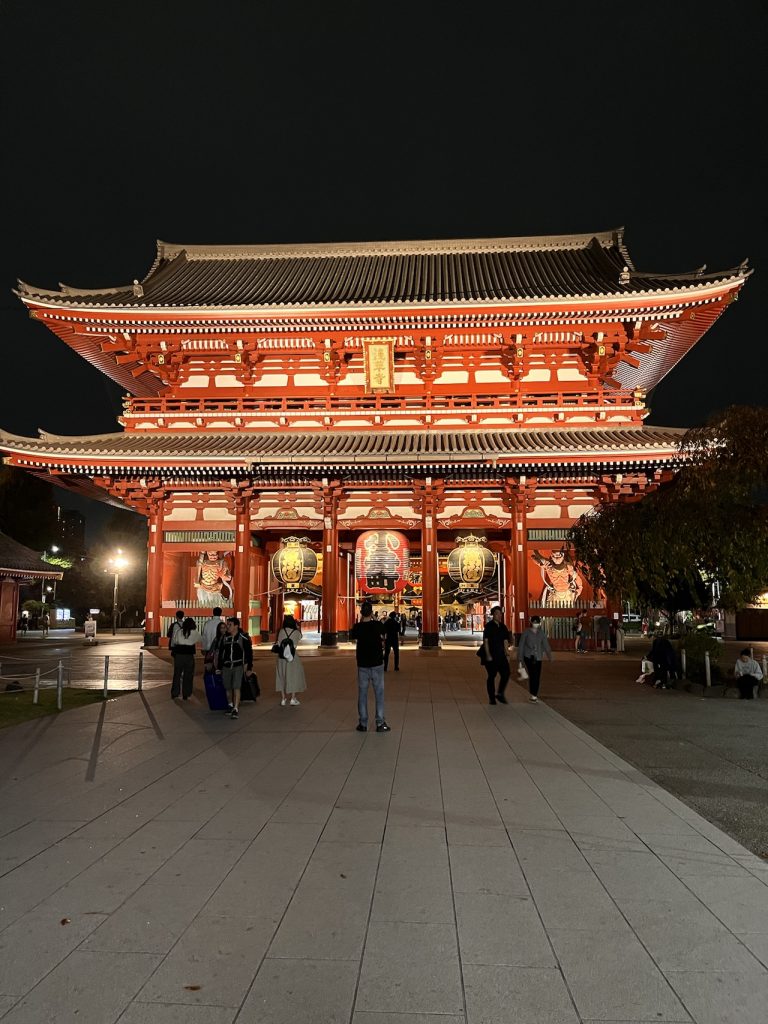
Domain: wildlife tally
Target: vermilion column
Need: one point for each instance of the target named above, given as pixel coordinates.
(242, 568)
(429, 582)
(329, 631)
(509, 590)
(152, 626)
(520, 567)
(261, 586)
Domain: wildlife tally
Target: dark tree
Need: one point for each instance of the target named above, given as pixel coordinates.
(27, 509)
(709, 524)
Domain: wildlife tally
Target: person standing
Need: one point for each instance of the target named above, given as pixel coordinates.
(368, 635)
(233, 658)
(534, 646)
(578, 629)
(172, 629)
(289, 673)
(392, 641)
(185, 638)
(403, 623)
(620, 645)
(45, 622)
(210, 629)
(748, 674)
(496, 643)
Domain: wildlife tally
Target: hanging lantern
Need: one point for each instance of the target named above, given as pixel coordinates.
(294, 564)
(382, 561)
(470, 564)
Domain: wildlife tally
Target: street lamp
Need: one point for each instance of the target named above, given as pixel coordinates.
(117, 564)
(43, 588)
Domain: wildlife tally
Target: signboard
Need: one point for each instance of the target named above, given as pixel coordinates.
(89, 628)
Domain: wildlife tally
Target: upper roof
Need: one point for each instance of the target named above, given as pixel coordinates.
(381, 273)
(17, 560)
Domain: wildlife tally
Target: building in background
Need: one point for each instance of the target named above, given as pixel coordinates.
(18, 565)
(376, 405)
(71, 525)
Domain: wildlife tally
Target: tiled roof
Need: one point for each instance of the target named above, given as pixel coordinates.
(381, 273)
(337, 448)
(18, 560)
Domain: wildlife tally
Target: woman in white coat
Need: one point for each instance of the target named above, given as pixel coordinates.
(289, 674)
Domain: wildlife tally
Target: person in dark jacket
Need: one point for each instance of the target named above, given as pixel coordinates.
(392, 641)
(662, 656)
(234, 657)
(496, 641)
(368, 635)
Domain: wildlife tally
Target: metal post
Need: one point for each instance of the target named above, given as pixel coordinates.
(683, 663)
(141, 669)
(114, 606)
(36, 694)
(707, 670)
(60, 686)
(106, 676)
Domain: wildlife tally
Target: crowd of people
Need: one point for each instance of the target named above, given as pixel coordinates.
(228, 655)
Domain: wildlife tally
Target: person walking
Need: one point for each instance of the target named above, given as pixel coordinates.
(211, 629)
(368, 635)
(748, 674)
(392, 641)
(496, 643)
(45, 622)
(534, 646)
(403, 623)
(185, 639)
(289, 673)
(234, 657)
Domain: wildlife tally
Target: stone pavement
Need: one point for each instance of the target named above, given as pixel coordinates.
(492, 865)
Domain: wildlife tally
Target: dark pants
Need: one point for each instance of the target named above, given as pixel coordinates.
(183, 674)
(533, 668)
(500, 667)
(746, 685)
(391, 645)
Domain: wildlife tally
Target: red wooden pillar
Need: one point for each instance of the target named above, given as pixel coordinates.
(509, 589)
(329, 628)
(152, 625)
(430, 589)
(261, 588)
(242, 567)
(519, 563)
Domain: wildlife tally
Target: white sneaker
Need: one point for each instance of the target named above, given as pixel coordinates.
(283, 702)
(534, 700)
(294, 702)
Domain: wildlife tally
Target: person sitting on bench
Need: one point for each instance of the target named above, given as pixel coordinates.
(748, 674)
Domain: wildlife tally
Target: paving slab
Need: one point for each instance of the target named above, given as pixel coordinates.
(484, 865)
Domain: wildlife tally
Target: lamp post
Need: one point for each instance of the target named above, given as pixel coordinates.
(54, 549)
(117, 563)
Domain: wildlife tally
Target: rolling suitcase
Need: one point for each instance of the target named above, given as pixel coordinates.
(218, 699)
(249, 688)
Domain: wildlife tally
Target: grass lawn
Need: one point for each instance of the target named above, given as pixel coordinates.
(18, 707)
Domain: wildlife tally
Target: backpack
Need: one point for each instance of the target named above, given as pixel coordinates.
(287, 649)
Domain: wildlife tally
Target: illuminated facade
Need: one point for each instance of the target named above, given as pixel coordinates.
(417, 392)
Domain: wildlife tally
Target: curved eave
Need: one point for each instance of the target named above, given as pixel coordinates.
(618, 299)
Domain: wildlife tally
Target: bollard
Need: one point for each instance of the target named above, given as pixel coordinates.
(707, 670)
(69, 674)
(106, 676)
(765, 674)
(682, 663)
(36, 694)
(60, 687)
(141, 669)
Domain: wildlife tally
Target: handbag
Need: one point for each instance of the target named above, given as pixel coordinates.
(522, 672)
(276, 649)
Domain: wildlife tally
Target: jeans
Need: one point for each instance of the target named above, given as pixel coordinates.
(373, 676)
(533, 668)
(501, 666)
(183, 674)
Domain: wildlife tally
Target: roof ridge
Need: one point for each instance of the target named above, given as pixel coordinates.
(290, 250)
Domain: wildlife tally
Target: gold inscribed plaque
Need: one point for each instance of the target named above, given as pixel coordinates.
(379, 365)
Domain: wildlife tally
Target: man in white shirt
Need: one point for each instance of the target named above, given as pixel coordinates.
(748, 674)
(209, 630)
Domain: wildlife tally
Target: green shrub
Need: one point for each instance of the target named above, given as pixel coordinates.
(695, 645)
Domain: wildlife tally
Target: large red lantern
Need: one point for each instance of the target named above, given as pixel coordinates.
(382, 561)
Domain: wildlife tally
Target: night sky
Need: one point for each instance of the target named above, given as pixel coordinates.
(288, 122)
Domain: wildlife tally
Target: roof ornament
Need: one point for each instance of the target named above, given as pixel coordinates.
(624, 276)
(138, 291)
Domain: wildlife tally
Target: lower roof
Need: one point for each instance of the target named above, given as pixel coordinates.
(167, 449)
